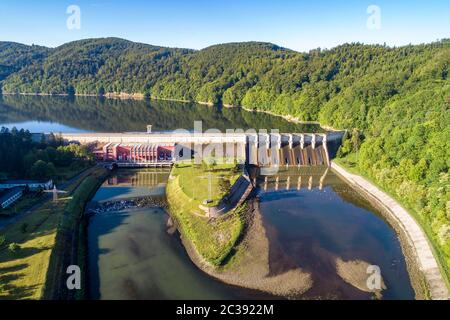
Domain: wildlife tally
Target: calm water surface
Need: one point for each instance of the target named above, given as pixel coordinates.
(318, 224)
(90, 114)
(132, 256)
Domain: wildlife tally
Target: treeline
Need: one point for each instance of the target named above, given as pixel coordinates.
(94, 67)
(22, 157)
(344, 86)
(395, 102)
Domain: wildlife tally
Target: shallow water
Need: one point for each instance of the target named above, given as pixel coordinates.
(132, 256)
(315, 227)
(137, 259)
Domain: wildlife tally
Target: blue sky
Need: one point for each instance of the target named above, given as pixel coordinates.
(299, 25)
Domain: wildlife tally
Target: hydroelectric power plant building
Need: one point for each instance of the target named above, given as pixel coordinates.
(148, 149)
(141, 153)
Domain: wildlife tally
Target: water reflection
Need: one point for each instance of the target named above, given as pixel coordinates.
(132, 256)
(315, 223)
(129, 184)
(111, 115)
(317, 219)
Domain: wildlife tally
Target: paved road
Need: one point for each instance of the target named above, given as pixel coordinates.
(8, 221)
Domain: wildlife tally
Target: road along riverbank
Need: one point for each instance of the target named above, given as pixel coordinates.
(422, 265)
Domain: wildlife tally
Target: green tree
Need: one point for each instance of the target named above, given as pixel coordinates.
(42, 170)
(356, 139)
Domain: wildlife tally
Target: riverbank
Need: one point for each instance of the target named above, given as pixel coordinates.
(189, 190)
(249, 266)
(70, 244)
(233, 248)
(423, 267)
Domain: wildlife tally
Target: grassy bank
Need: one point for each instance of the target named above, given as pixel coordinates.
(25, 271)
(24, 203)
(70, 240)
(197, 181)
(213, 239)
(350, 164)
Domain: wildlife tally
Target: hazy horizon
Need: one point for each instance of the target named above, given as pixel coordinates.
(297, 25)
(232, 42)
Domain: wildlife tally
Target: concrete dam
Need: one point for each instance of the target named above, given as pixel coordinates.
(255, 149)
(288, 150)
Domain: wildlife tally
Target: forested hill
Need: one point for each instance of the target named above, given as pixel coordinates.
(93, 66)
(394, 101)
(15, 56)
(343, 87)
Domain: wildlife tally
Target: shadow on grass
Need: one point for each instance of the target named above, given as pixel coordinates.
(9, 291)
(12, 269)
(6, 255)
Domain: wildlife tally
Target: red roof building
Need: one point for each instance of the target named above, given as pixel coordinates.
(135, 153)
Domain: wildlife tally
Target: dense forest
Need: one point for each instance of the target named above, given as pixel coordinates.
(15, 56)
(394, 102)
(23, 157)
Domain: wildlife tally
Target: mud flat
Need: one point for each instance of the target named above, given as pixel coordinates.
(250, 266)
(355, 273)
(422, 266)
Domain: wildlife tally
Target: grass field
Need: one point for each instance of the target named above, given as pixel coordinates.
(214, 239)
(202, 182)
(23, 272)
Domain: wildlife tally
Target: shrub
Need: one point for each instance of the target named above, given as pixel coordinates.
(13, 247)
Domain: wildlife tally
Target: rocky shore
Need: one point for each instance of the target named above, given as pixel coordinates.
(114, 206)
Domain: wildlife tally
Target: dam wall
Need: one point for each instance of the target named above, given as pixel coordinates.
(259, 149)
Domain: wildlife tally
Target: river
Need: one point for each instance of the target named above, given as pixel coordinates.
(133, 256)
